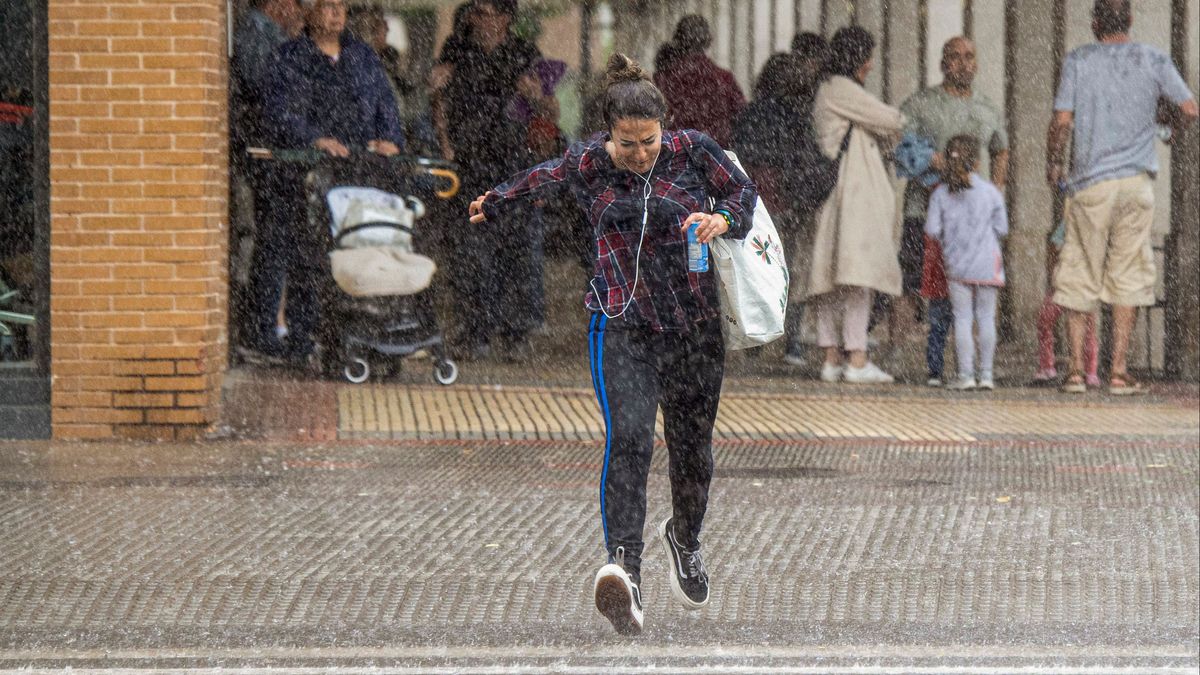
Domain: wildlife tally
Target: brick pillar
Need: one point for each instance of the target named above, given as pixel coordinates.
(139, 182)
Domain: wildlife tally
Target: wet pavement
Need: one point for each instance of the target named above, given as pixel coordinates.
(878, 530)
(402, 526)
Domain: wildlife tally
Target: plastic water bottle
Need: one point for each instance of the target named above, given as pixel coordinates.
(697, 252)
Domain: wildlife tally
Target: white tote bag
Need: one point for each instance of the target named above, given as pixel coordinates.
(752, 278)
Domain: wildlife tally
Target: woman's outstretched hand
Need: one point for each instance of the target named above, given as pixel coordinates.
(712, 225)
(476, 208)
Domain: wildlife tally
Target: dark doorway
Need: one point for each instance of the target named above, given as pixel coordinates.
(24, 222)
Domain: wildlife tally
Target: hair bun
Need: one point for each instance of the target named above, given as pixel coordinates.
(621, 68)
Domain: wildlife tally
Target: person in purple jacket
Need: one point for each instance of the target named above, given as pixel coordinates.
(655, 334)
(329, 91)
(967, 216)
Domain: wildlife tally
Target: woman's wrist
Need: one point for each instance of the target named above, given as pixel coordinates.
(727, 216)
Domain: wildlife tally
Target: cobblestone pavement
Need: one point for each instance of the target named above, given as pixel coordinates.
(405, 527)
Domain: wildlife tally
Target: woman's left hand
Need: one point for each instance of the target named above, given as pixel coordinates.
(712, 225)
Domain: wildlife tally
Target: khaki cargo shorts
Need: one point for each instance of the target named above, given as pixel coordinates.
(1107, 256)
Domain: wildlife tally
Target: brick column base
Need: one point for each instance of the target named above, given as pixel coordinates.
(139, 184)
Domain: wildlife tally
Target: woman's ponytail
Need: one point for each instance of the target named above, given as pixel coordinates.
(962, 156)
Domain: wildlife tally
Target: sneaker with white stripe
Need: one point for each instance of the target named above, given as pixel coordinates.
(618, 597)
(689, 579)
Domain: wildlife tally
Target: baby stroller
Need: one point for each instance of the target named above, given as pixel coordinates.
(380, 304)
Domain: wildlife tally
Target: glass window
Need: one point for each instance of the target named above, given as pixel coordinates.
(19, 283)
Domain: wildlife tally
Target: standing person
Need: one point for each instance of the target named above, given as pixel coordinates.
(1046, 372)
(700, 94)
(936, 115)
(967, 216)
(771, 137)
(1108, 94)
(655, 334)
(327, 91)
(811, 49)
(476, 79)
(260, 32)
(369, 24)
(854, 250)
(760, 130)
(537, 109)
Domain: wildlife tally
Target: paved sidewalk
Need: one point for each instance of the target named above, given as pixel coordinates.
(416, 528)
(500, 401)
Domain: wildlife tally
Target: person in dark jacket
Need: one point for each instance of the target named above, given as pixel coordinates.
(327, 91)
(762, 131)
(700, 94)
(330, 91)
(767, 136)
(478, 75)
(264, 27)
(261, 31)
(774, 137)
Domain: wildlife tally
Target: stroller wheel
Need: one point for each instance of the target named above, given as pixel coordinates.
(357, 370)
(445, 372)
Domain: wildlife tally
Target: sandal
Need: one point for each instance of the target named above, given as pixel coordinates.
(1124, 385)
(1074, 384)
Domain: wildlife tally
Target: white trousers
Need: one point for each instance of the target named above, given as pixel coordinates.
(851, 304)
(974, 306)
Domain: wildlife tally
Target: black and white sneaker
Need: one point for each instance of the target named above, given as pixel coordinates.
(618, 597)
(689, 580)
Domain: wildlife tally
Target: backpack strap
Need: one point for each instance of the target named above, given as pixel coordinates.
(845, 143)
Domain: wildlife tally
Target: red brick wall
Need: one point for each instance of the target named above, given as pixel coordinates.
(138, 190)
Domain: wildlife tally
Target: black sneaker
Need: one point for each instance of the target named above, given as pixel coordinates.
(689, 580)
(618, 597)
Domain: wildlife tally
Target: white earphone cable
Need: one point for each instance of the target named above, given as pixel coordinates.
(637, 260)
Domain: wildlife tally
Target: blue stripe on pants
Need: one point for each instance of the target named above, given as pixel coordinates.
(596, 345)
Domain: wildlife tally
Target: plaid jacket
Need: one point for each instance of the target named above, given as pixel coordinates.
(690, 169)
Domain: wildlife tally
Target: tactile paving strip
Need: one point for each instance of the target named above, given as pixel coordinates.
(517, 413)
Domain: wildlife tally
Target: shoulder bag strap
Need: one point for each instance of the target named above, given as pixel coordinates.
(845, 143)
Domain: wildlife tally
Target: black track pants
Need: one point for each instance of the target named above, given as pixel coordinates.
(635, 371)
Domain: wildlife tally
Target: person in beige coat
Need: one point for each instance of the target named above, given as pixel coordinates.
(855, 243)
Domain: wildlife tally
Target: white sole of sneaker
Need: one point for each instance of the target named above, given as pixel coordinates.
(676, 589)
(614, 600)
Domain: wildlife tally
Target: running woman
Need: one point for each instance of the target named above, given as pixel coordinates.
(655, 333)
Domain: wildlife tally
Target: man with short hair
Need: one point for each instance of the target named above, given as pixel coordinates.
(937, 114)
(1109, 94)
